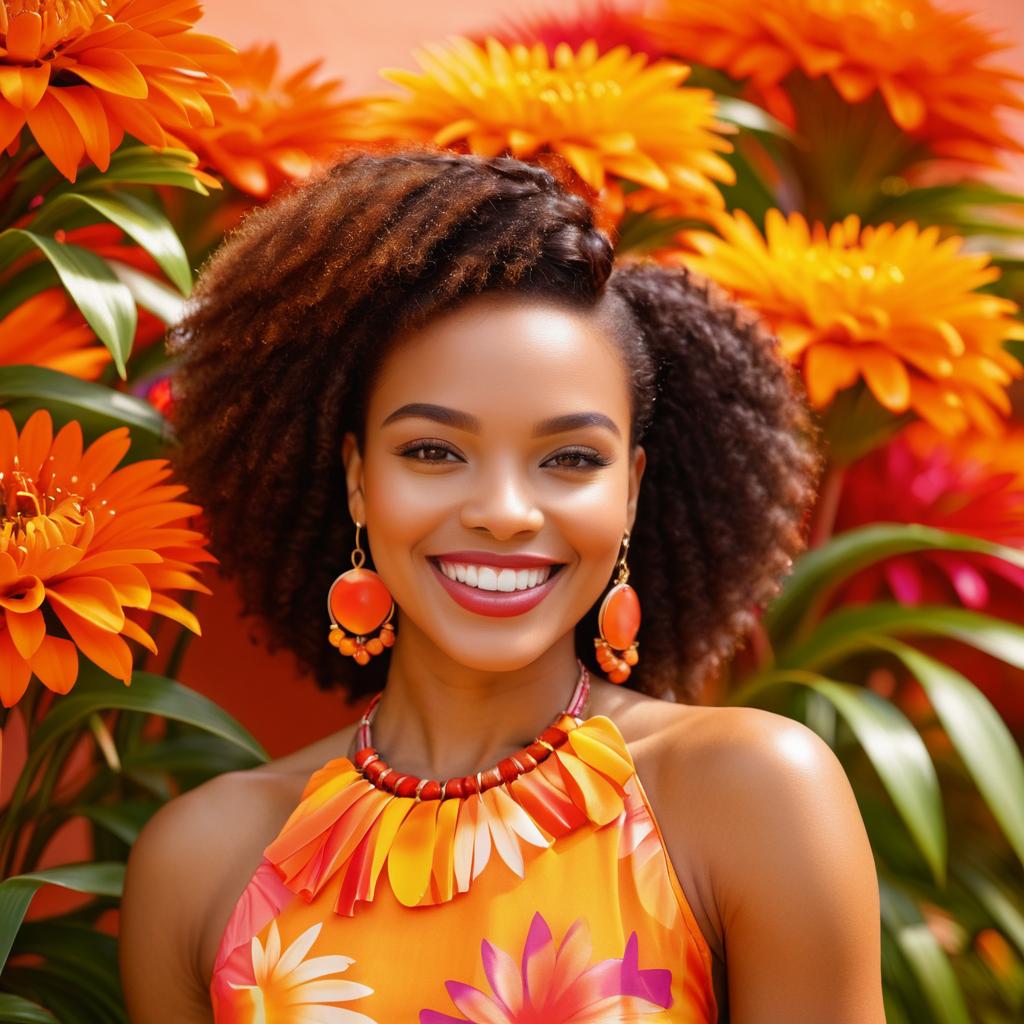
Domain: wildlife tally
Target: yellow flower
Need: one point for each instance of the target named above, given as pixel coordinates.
(81, 73)
(894, 306)
(606, 115)
(931, 66)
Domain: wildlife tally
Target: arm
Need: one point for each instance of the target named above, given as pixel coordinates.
(166, 889)
(794, 877)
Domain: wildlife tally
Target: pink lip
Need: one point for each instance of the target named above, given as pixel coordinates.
(520, 561)
(494, 602)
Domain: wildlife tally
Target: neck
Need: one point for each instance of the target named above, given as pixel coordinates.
(438, 719)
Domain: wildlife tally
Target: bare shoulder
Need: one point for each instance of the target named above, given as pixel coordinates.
(789, 863)
(180, 885)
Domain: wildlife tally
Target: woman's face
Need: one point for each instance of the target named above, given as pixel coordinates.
(461, 463)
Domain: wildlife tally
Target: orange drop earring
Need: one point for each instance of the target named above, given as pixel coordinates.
(618, 621)
(358, 603)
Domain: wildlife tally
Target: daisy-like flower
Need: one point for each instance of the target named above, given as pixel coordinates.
(290, 989)
(897, 307)
(81, 73)
(79, 543)
(283, 127)
(556, 985)
(48, 330)
(932, 66)
(606, 115)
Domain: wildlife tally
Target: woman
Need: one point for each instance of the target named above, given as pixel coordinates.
(427, 363)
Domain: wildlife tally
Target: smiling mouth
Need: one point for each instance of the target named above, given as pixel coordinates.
(487, 579)
(506, 599)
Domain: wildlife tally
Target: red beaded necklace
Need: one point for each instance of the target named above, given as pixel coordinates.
(373, 767)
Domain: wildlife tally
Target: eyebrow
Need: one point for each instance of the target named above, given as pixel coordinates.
(466, 421)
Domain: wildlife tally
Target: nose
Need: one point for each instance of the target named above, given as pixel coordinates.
(502, 503)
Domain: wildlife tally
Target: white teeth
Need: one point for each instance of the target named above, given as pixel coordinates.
(486, 577)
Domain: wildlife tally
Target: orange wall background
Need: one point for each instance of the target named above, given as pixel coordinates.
(228, 663)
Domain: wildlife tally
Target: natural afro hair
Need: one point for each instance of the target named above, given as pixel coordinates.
(291, 315)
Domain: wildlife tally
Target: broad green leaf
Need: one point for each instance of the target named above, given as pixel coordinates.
(819, 571)
(81, 954)
(123, 819)
(96, 407)
(15, 1010)
(26, 283)
(195, 753)
(894, 748)
(105, 302)
(924, 956)
(140, 221)
(16, 892)
(843, 632)
(148, 693)
(979, 735)
(148, 292)
(143, 165)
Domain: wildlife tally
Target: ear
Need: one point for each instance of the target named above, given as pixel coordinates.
(636, 473)
(353, 460)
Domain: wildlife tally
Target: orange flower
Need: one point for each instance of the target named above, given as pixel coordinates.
(80, 542)
(48, 330)
(606, 115)
(894, 306)
(81, 73)
(931, 66)
(282, 127)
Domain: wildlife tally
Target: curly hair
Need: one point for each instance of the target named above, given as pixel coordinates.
(291, 316)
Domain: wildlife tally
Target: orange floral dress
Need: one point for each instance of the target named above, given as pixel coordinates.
(550, 899)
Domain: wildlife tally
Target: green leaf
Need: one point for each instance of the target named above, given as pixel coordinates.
(15, 1010)
(926, 959)
(980, 736)
(25, 284)
(144, 165)
(123, 819)
(194, 753)
(894, 748)
(149, 293)
(96, 407)
(844, 631)
(750, 116)
(819, 571)
(84, 956)
(140, 221)
(1002, 905)
(16, 892)
(105, 302)
(150, 694)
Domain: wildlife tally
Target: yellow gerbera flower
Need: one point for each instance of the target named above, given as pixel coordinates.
(81, 73)
(606, 115)
(931, 65)
(894, 306)
(79, 543)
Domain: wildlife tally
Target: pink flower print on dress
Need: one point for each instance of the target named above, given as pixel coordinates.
(555, 986)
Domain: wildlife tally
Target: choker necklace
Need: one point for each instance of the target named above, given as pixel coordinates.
(376, 771)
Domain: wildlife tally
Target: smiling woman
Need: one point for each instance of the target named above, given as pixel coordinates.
(439, 349)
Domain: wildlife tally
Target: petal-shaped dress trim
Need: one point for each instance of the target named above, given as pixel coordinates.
(430, 851)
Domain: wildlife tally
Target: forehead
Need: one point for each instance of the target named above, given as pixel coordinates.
(500, 352)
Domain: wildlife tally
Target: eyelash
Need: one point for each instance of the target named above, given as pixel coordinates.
(593, 457)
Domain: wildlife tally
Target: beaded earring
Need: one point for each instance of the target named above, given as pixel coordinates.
(358, 602)
(618, 621)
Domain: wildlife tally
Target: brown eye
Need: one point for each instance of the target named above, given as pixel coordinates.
(427, 452)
